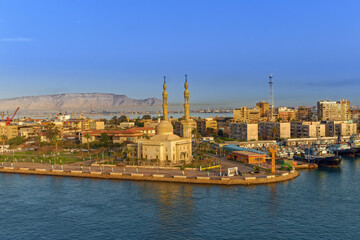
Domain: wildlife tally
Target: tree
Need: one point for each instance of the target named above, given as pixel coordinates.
(4, 138)
(138, 123)
(87, 136)
(194, 132)
(210, 131)
(104, 138)
(274, 132)
(53, 133)
(38, 141)
(114, 121)
(146, 117)
(126, 152)
(123, 118)
(16, 141)
(220, 133)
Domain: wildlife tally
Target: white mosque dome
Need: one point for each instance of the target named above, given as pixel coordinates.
(164, 128)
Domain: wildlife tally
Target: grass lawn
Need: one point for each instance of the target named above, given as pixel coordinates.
(36, 158)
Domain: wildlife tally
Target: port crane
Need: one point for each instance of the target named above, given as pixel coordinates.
(272, 150)
(8, 119)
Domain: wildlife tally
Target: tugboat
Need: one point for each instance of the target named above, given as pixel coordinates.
(318, 154)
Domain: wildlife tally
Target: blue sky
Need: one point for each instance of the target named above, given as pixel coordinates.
(227, 48)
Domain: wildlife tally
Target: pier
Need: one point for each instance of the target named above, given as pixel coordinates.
(145, 174)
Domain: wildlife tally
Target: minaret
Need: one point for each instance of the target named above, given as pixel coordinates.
(165, 102)
(187, 124)
(186, 100)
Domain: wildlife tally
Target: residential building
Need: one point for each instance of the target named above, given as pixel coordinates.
(264, 108)
(304, 113)
(204, 124)
(244, 131)
(129, 135)
(274, 130)
(9, 131)
(245, 114)
(331, 110)
(307, 129)
(340, 128)
(87, 124)
(286, 114)
(124, 125)
(27, 132)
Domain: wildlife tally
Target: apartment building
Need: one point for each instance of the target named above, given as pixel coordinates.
(307, 129)
(274, 130)
(340, 128)
(245, 114)
(331, 110)
(304, 113)
(286, 114)
(244, 131)
(9, 131)
(203, 124)
(27, 132)
(264, 108)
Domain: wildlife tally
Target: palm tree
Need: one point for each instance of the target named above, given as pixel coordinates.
(87, 136)
(53, 133)
(274, 132)
(3, 139)
(194, 132)
(38, 141)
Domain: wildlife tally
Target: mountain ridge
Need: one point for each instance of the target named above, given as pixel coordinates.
(78, 101)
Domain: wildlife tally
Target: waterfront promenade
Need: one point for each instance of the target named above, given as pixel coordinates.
(138, 173)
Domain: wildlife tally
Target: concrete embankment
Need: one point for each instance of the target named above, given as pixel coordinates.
(249, 180)
(305, 166)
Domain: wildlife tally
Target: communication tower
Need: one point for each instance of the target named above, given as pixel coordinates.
(271, 97)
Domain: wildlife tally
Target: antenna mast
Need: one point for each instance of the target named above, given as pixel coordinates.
(271, 97)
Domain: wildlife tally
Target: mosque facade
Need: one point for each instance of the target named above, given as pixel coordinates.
(165, 146)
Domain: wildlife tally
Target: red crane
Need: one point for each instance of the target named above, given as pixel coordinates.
(9, 120)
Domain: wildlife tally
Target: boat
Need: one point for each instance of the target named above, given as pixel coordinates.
(320, 155)
(343, 149)
(348, 149)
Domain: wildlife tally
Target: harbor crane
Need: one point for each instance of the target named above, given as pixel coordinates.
(272, 150)
(9, 120)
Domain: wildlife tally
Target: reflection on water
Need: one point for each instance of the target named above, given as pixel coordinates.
(319, 204)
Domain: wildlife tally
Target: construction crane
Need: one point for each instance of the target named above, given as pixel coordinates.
(9, 120)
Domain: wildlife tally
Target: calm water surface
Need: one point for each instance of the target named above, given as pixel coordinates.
(319, 204)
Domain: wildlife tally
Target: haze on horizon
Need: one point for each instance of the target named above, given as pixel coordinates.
(227, 48)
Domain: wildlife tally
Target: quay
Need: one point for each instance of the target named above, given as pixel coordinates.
(165, 176)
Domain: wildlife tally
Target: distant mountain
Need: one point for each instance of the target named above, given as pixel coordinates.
(78, 101)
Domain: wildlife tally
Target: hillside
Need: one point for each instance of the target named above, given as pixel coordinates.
(78, 101)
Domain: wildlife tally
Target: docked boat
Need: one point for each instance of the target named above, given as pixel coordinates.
(343, 149)
(320, 155)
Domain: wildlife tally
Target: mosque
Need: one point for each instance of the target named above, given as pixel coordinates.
(165, 146)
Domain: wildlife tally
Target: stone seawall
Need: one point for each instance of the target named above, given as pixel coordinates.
(157, 177)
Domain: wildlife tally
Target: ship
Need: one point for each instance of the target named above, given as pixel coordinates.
(346, 149)
(343, 149)
(320, 155)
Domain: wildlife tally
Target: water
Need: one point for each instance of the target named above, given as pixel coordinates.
(171, 115)
(319, 204)
(134, 116)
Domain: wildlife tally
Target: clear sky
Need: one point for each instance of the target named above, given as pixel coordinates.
(227, 48)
